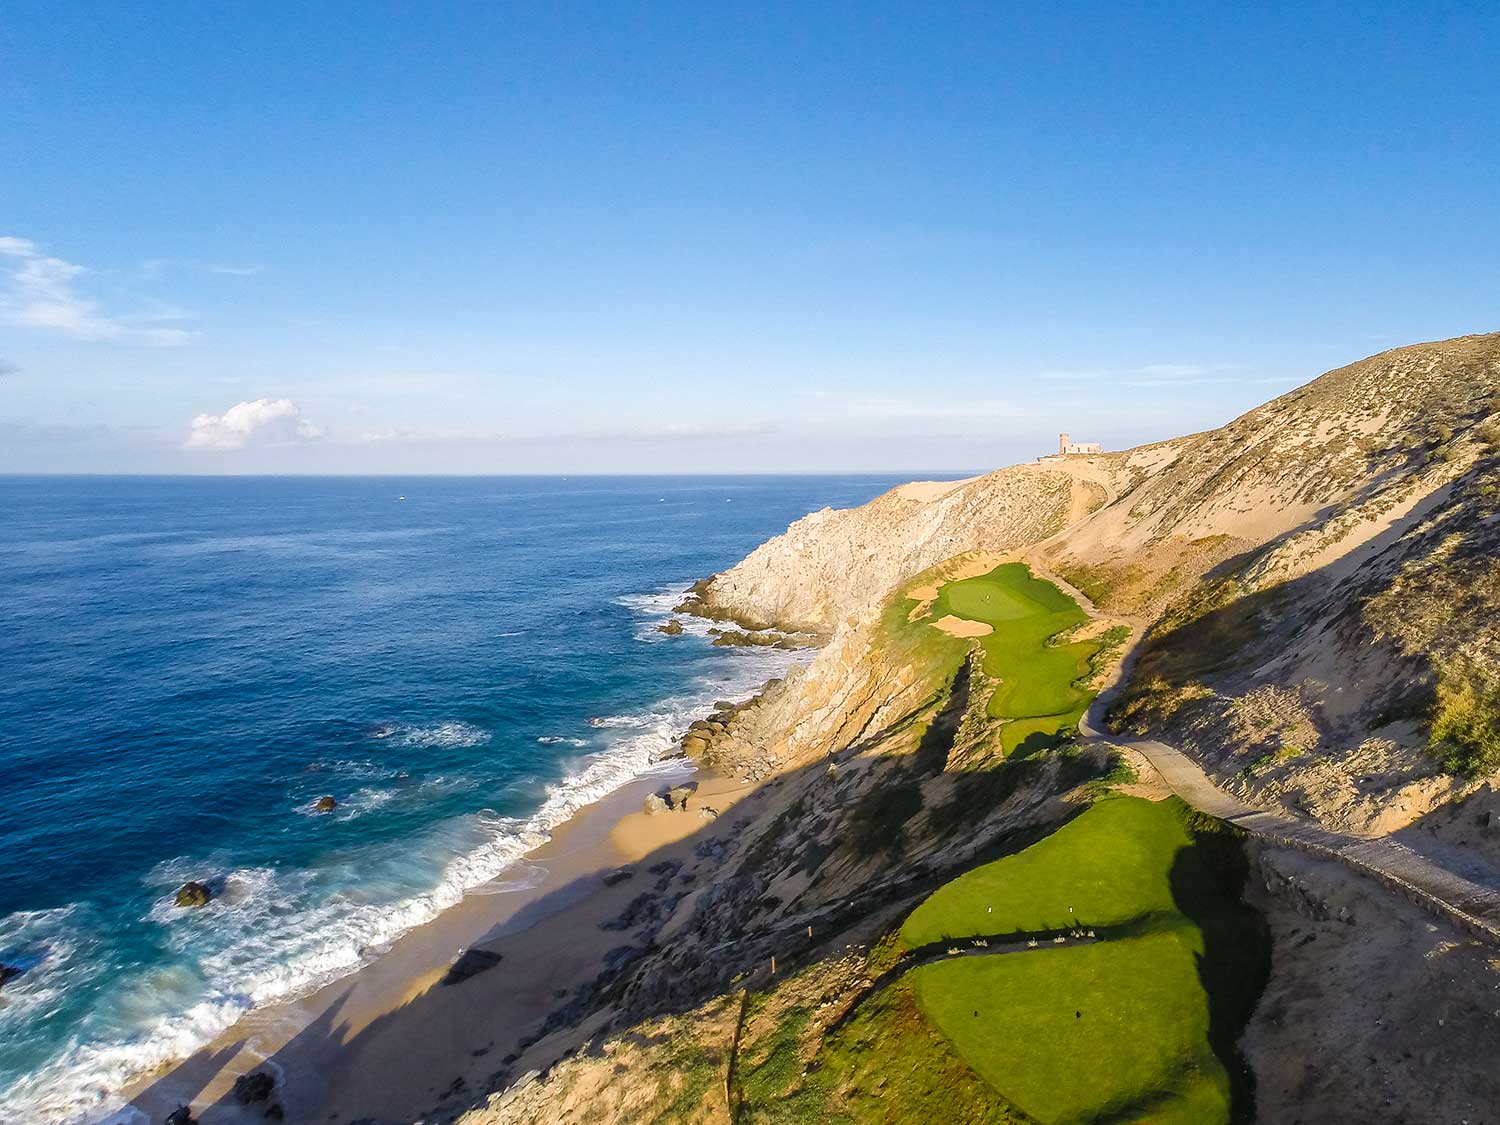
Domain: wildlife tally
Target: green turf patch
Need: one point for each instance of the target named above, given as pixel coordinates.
(1139, 1025)
(1039, 693)
(1109, 866)
(1086, 1033)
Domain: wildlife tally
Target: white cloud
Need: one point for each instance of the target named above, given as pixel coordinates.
(265, 421)
(37, 291)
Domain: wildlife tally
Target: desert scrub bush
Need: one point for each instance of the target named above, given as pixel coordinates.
(1117, 771)
(1465, 733)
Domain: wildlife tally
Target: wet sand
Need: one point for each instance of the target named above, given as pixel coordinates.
(391, 1042)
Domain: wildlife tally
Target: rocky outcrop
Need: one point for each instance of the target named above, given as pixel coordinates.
(325, 804)
(470, 963)
(194, 894)
(253, 1087)
(655, 805)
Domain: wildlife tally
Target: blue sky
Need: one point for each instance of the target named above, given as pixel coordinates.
(565, 238)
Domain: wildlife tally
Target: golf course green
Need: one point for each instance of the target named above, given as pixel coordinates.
(1138, 1023)
(1038, 699)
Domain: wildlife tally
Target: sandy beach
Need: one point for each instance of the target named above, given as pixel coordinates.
(392, 1042)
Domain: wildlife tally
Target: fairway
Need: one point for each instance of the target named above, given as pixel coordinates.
(1038, 697)
(1120, 1028)
(1110, 866)
(1088, 1032)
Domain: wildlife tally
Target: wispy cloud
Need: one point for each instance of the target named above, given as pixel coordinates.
(155, 267)
(1150, 374)
(686, 432)
(8, 368)
(39, 291)
(262, 422)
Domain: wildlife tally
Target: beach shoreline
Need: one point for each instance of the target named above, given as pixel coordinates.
(392, 1042)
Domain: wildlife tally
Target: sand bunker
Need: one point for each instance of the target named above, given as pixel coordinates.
(962, 627)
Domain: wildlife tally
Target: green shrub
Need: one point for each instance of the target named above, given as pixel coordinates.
(1465, 732)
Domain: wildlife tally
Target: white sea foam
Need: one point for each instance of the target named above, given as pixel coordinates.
(442, 734)
(273, 935)
(656, 609)
(606, 722)
(561, 740)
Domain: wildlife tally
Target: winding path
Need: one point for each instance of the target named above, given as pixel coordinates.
(1473, 907)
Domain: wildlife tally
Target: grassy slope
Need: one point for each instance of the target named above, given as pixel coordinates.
(1110, 865)
(1077, 1034)
(886, 1064)
(1139, 1025)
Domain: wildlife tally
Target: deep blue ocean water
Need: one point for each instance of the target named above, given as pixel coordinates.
(186, 664)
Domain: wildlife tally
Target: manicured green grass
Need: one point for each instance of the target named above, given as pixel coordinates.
(1038, 691)
(1139, 1025)
(1085, 1033)
(1110, 865)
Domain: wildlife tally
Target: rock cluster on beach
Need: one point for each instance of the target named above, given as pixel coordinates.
(253, 1087)
(470, 962)
(704, 734)
(760, 638)
(675, 799)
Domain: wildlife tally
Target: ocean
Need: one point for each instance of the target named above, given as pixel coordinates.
(188, 664)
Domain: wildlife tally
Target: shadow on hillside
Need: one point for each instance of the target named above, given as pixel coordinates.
(1208, 881)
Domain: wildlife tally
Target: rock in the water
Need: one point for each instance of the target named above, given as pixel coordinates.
(182, 1115)
(655, 804)
(672, 628)
(253, 1087)
(678, 796)
(618, 875)
(8, 972)
(325, 804)
(194, 894)
(470, 963)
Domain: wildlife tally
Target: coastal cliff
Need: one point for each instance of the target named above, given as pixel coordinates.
(1310, 598)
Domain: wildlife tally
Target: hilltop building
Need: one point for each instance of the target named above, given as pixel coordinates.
(1065, 446)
